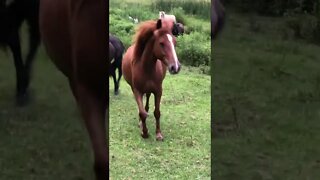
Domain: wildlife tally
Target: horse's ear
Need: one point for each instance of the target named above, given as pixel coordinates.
(159, 24)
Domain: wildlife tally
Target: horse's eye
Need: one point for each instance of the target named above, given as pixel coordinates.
(162, 45)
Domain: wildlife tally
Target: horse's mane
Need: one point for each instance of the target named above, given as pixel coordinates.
(142, 36)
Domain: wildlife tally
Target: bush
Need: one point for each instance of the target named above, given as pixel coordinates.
(305, 27)
(194, 49)
(123, 29)
(199, 8)
(277, 7)
(179, 13)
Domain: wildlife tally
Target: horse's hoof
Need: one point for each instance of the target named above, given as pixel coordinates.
(144, 135)
(116, 92)
(159, 137)
(22, 99)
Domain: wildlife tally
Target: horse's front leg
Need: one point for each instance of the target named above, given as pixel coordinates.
(157, 114)
(147, 102)
(142, 114)
(34, 42)
(116, 87)
(93, 106)
(21, 92)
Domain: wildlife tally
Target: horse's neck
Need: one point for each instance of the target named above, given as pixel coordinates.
(148, 59)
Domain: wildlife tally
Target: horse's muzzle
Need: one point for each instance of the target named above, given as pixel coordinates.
(173, 69)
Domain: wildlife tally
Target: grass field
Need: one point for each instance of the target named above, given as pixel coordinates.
(266, 102)
(185, 109)
(46, 139)
(185, 124)
(266, 116)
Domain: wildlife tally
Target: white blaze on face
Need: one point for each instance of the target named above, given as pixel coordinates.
(173, 50)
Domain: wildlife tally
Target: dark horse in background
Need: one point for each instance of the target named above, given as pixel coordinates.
(12, 14)
(116, 51)
(217, 18)
(75, 35)
(178, 29)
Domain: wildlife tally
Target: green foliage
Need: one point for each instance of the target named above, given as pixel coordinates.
(266, 101)
(199, 8)
(305, 27)
(277, 7)
(180, 14)
(194, 49)
(122, 28)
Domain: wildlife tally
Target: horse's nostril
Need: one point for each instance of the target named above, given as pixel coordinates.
(171, 68)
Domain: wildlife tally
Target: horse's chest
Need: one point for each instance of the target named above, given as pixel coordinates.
(147, 84)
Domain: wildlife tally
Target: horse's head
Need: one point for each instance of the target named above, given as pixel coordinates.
(164, 45)
(178, 29)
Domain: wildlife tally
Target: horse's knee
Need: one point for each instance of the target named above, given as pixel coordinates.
(157, 114)
(101, 169)
(143, 115)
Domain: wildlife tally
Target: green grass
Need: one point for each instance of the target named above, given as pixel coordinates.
(185, 108)
(266, 103)
(46, 139)
(185, 124)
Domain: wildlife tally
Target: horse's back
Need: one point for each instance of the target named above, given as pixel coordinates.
(74, 33)
(117, 43)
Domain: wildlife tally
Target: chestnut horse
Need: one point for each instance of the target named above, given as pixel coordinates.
(145, 63)
(75, 36)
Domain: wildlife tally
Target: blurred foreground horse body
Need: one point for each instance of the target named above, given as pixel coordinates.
(145, 64)
(12, 14)
(117, 51)
(217, 18)
(74, 34)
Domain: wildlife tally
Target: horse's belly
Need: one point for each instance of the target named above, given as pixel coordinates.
(146, 86)
(55, 36)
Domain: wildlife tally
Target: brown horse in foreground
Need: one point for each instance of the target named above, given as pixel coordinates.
(75, 36)
(144, 66)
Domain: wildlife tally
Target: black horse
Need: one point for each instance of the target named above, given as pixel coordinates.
(217, 18)
(178, 29)
(116, 50)
(12, 14)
